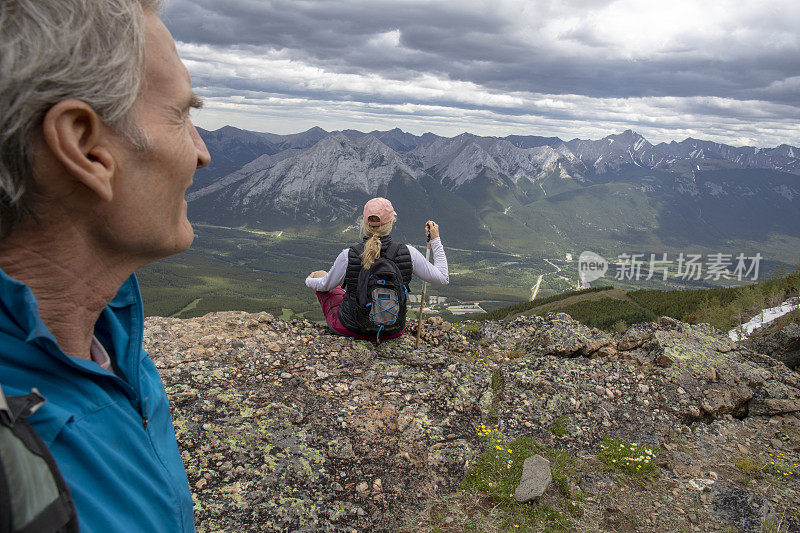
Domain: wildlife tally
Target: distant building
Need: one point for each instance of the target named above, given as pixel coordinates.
(465, 309)
(430, 300)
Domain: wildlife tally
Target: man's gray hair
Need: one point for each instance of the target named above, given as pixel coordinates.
(90, 50)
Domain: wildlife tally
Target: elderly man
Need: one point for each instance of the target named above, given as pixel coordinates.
(96, 153)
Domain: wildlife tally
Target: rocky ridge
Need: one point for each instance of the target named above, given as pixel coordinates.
(285, 427)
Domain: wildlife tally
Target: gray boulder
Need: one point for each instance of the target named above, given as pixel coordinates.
(783, 345)
(536, 477)
(740, 508)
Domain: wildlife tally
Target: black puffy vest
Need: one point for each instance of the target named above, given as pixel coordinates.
(403, 262)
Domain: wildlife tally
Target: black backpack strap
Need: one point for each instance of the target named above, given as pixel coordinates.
(391, 254)
(12, 408)
(391, 251)
(361, 288)
(357, 249)
(33, 495)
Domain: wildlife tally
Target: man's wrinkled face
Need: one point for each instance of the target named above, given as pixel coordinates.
(149, 219)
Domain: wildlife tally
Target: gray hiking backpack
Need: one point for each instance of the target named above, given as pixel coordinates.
(33, 495)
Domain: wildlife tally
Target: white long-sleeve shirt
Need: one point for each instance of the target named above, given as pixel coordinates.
(432, 273)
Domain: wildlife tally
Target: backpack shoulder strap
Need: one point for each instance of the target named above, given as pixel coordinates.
(361, 287)
(356, 249)
(391, 251)
(27, 467)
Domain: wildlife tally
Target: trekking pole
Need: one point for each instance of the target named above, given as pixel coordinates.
(424, 285)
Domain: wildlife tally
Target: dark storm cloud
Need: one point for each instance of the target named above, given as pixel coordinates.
(505, 56)
(476, 44)
(321, 29)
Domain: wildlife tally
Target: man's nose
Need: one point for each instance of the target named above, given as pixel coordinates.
(203, 157)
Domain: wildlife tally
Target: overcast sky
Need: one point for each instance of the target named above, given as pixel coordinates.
(725, 70)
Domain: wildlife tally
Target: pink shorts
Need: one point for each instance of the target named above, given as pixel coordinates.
(330, 302)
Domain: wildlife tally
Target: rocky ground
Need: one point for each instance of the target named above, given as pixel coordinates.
(286, 427)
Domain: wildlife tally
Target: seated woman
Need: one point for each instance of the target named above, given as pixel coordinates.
(342, 294)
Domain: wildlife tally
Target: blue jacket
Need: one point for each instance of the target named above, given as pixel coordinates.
(112, 438)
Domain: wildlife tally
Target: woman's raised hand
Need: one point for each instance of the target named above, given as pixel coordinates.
(432, 229)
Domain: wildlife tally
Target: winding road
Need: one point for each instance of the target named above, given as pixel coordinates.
(535, 288)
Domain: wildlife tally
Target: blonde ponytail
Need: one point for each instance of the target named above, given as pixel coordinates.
(372, 248)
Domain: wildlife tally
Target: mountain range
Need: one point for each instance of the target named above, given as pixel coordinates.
(522, 193)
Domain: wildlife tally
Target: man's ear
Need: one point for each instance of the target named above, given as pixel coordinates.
(81, 143)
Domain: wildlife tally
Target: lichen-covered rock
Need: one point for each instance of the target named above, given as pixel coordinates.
(438, 332)
(279, 423)
(740, 508)
(554, 334)
(783, 345)
(719, 376)
(634, 337)
(285, 427)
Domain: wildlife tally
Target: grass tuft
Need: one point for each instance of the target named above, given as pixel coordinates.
(632, 459)
(497, 471)
(749, 466)
(780, 465)
(498, 380)
(559, 427)
(472, 327)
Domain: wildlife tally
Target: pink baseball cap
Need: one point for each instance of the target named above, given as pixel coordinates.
(381, 208)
